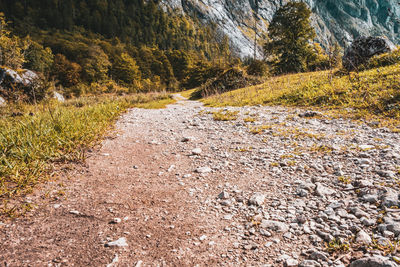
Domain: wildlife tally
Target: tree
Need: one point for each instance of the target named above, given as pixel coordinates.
(12, 48)
(96, 65)
(125, 70)
(68, 73)
(39, 58)
(289, 36)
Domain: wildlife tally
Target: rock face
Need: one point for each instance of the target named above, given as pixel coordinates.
(333, 20)
(14, 85)
(363, 48)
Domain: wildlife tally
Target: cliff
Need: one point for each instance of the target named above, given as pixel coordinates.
(333, 20)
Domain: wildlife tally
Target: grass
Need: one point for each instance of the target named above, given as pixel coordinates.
(225, 115)
(368, 94)
(34, 139)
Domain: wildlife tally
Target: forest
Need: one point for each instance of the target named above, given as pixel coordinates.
(97, 46)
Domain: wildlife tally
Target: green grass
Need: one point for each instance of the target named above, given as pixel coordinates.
(33, 139)
(225, 115)
(372, 92)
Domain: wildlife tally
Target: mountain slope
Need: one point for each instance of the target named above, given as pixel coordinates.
(334, 20)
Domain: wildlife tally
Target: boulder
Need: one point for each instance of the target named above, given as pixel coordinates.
(16, 85)
(376, 261)
(364, 48)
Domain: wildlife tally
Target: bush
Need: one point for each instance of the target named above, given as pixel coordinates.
(383, 60)
(38, 58)
(66, 72)
(231, 79)
(257, 68)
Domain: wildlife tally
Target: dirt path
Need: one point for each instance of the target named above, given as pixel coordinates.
(177, 188)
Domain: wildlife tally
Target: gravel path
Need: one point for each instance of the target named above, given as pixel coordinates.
(174, 187)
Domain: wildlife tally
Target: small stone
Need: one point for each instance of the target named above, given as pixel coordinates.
(75, 212)
(187, 139)
(309, 263)
(116, 220)
(274, 226)
(291, 262)
(363, 238)
(321, 190)
(223, 195)
(56, 206)
(197, 151)
(203, 170)
(118, 243)
(265, 233)
(203, 237)
(257, 199)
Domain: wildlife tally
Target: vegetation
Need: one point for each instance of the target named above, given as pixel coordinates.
(33, 139)
(289, 36)
(83, 45)
(371, 92)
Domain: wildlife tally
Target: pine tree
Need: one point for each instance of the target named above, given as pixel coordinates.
(289, 36)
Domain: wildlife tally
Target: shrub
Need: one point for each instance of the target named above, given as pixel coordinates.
(231, 79)
(257, 68)
(38, 58)
(383, 60)
(66, 72)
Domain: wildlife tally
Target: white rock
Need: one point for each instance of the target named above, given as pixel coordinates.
(321, 190)
(3, 102)
(366, 147)
(203, 237)
(203, 170)
(59, 97)
(363, 238)
(257, 199)
(197, 151)
(118, 243)
(116, 220)
(291, 262)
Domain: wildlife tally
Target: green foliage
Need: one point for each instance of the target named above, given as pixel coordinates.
(360, 92)
(125, 70)
(134, 43)
(257, 68)
(229, 80)
(68, 73)
(96, 65)
(38, 58)
(383, 60)
(318, 60)
(11, 47)
(289, 35)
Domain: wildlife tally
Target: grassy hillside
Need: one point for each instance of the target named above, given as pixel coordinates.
(374, 92)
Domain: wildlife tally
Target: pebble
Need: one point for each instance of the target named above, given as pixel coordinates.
(203, 170)
(121, 242)
(197, 151)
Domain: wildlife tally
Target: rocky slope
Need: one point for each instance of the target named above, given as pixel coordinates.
(334, 20)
